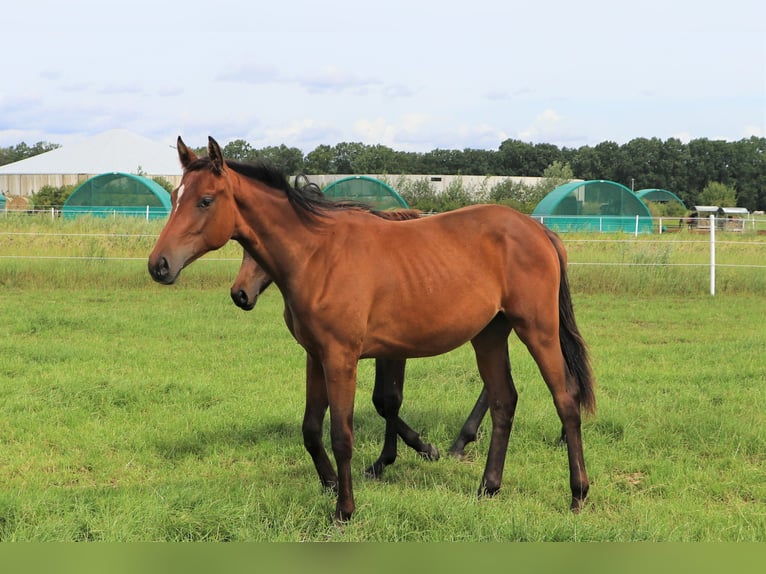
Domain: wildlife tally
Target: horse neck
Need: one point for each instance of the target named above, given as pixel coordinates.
(271, 230)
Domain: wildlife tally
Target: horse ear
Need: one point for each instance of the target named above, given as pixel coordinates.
(184, 153)
(216, 155)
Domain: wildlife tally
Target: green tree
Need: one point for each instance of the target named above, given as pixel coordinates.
(238, 150)
(708, 162)
(716, 193)
(514, 158)
(51, 197)
(511, 193)
(454, 197)
(320, 160)
(23, 151)
(164, 183)
(377, 159)
(443, 161)
(748, 169)
(288, 159)
(345, 156)
(419, 194)
(674, 167)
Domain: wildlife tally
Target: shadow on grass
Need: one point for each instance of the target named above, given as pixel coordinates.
(200, 443)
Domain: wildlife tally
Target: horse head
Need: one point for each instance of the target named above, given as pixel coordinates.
(202, 217)
(251, 281)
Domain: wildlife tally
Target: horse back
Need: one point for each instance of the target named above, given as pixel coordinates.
(443, 277)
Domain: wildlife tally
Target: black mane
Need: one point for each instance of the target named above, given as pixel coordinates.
(306, 199)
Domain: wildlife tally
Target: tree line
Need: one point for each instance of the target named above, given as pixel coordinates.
(686, 169)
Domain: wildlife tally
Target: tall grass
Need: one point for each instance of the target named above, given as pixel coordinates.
(131, 411)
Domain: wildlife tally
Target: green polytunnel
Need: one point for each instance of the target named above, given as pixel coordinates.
(659, 196)
(118, 194)
(595, 205)
(369, 190)
(2, 201)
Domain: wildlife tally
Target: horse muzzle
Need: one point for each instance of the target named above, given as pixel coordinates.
(241, 300)
(160, 271)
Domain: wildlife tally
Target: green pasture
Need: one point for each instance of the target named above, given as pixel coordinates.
(131, 411)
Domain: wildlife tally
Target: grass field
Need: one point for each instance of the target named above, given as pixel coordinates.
(135, 412)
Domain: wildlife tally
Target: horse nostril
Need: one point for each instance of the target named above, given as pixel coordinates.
(240, 298)
(160, 270)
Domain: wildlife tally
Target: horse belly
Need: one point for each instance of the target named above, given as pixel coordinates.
(426, 333)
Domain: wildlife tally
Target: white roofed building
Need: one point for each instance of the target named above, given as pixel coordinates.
(111, 151)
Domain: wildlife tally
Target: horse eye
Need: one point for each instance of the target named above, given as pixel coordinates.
(205, 202)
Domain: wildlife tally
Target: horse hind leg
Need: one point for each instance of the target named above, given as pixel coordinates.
(387, 397)
(470, 428)
(491, 349)
(547, 353)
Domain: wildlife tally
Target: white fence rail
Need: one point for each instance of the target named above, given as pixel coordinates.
(705, 234)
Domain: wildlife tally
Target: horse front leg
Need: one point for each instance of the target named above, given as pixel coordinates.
(340, 381)
(313, 419)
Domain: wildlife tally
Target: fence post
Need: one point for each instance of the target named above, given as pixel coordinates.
(147, 213)
(53, 213)
(636, 225)
(712, 254)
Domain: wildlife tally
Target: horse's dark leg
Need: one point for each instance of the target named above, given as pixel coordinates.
(387, 397)
(412, 439)
(471, 425)
(470, 428)
(313, 417)
(491, 348)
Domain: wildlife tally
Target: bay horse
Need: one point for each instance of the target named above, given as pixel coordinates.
(472, 274)
(388, 390)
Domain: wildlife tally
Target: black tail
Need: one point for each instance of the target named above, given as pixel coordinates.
(572, 344)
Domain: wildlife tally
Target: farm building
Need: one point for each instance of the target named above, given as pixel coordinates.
(118, 194)
(727, 218)
(71, 164)
(595, 205)
(365, 189)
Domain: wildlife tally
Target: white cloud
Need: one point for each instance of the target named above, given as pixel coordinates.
(752, 130)
(545, 124)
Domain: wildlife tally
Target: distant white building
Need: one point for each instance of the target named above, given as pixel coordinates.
(111, 151)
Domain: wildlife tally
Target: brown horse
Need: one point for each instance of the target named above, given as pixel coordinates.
(388, 390)
(473, 274)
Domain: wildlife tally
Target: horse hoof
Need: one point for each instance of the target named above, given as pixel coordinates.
(342, 516)
(577, 504)
(374, 471)
(487, 491)
(457, 452)
(430, 453)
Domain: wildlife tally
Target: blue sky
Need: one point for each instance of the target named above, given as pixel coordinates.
(412, 75)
